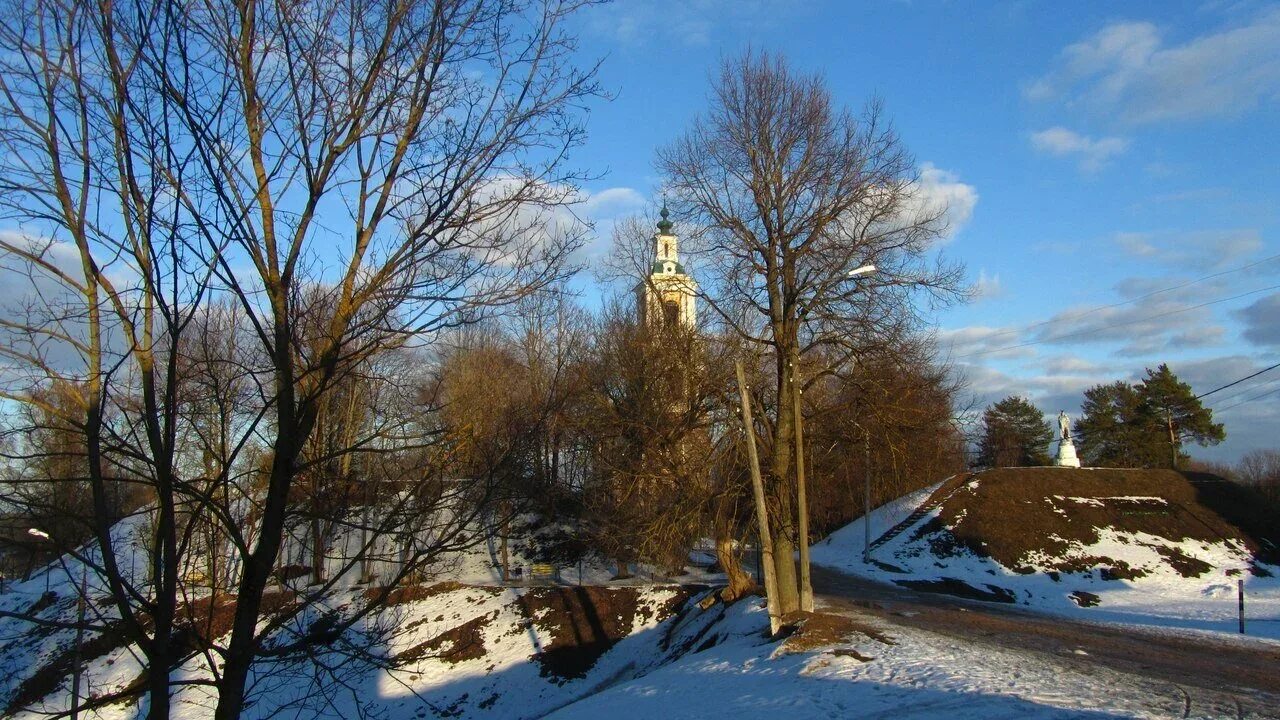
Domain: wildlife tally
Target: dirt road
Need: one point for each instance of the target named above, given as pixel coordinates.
(1213, 677)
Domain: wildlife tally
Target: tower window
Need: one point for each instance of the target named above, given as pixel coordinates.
(671, 312)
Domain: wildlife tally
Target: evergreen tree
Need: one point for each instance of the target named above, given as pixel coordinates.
(1108, 433)
(1169, 404)
(1143, 425)
(1014, 433)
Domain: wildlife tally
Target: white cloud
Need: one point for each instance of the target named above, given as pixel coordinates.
(1195, 250)
(984, 342)
(1128, 69)
(1092, 153)
(940, 190)
(1153, 324)
(612, 202)
(987, 287)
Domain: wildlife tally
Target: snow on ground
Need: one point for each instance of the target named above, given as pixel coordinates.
(1162, 597)
(920, 675)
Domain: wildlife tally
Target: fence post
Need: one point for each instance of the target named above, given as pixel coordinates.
(1240, 594)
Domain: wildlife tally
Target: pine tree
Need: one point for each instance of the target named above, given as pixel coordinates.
(1169, 404)
(1143, 425)
(1014, 433)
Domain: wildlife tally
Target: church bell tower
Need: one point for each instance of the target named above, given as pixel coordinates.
(667, 295)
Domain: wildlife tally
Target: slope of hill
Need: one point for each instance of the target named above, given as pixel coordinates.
(1147, 546)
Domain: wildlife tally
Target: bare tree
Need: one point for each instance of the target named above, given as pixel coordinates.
(788, 194)
(657, 389)
(402, 159)
(1261, 470)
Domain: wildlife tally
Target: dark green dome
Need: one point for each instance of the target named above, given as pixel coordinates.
(665, 224)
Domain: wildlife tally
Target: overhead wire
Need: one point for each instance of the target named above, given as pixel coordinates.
(1237, 382)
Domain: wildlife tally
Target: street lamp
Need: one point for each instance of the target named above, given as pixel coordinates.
(866, 450)
(80, 608)
(41, 535)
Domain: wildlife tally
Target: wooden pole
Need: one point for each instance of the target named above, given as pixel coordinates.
(866, 498)
(762, 510)
(806, 586)
(1240, 594)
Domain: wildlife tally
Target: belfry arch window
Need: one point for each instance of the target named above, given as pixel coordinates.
(671, 312)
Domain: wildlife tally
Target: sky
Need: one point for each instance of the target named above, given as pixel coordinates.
(1111, 171)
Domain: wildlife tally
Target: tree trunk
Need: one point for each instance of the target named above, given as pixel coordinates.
(317, 552)
(767, 544)
(504, 556)
(780, 487)
(739, 582)
(802, 502)
(257, 566)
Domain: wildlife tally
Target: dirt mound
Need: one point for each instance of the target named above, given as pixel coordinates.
(1029, 519)
(584, 622)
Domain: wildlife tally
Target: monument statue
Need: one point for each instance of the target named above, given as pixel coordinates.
(1066, 447)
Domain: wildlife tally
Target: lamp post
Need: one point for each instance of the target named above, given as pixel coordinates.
(42, 535)
(866, 450)
(80, 611)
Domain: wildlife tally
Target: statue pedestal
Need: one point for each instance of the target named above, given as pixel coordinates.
(1067, 454)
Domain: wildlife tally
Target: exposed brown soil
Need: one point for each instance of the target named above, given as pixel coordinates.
(1084, 598)
(813, 630)
(418, 592)
(459, 644)
(50, 676)
(584, 622)
(1015, 513)
(197, 624)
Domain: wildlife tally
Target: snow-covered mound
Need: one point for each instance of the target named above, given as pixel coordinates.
(1145, 546)
(459, 651)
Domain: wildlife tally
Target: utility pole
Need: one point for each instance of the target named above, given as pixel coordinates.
(866, 497)
(802, 499)
(762, 510)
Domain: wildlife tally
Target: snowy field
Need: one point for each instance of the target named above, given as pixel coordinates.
(1162, 597)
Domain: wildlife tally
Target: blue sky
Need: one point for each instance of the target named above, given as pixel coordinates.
(1111, 168)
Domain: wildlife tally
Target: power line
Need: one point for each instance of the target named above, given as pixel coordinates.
(1064, 336)
(1248, 400)
(1241, 392)
(1237, 382)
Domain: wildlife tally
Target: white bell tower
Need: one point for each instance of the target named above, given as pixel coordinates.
(668, 294)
